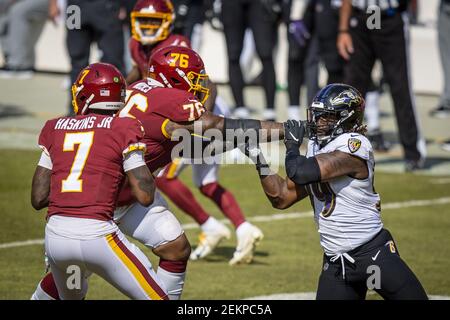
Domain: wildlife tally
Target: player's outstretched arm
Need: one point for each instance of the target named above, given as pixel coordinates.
(208, 120)
(40, 188)
(142, 185)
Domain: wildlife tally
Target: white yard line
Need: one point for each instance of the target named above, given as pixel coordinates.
(269, 218)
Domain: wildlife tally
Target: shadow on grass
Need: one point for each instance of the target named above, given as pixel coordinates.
(429, 163)
(225, 253)
(12, 111)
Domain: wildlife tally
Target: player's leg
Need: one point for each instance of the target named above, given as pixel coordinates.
(397, 280)
(248, 235)
(234, 26)
(264, 26)
(124, 266)
(332, 285)
(69, 274)
(168, 182)
(46, 289)
(157, 228)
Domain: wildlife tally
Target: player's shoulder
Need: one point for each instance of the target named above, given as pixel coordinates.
(124, 124)
(52, 124)
(352, 143)
(175, 105)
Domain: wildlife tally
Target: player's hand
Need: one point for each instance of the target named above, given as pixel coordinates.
(345, 45)
(294, 131)
(299, 31)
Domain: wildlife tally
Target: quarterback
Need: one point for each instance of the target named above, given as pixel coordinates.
(83, 164)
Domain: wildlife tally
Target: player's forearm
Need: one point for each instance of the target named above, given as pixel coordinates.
(142, 185)
(268, 130)
(276, 190)
(40, 188)
(344, 14)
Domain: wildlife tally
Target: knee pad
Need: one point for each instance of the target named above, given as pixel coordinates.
(159, 228)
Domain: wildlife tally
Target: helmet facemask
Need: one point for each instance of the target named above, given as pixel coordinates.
(149, 28)
(199, 85)
(325, 125)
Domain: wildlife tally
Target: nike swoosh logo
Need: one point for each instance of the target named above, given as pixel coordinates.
(296, 139)
(375, 257)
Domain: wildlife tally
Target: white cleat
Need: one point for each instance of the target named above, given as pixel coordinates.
(209, 240)
(248, 239)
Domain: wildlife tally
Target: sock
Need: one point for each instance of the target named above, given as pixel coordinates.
(182, 197)
(172, 274)
(372, 111)
(46, 289)
(210, 225)
(225, 201)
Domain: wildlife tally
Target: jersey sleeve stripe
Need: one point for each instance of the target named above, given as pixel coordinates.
(134, 147)
(163, 129)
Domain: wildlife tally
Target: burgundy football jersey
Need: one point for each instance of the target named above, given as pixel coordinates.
(87, 155)
(141, 54)
(154, 106)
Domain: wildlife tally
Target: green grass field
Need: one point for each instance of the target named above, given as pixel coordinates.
(288, 260)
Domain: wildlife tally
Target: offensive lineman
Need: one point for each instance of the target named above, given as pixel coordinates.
(337, 175)
(151, 25)
(83, 164)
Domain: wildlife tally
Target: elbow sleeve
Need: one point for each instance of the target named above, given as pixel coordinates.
(302, 170)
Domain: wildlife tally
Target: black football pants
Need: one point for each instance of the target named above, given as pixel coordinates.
(379, 255)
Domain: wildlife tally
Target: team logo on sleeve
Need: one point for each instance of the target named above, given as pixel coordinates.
(354, 144)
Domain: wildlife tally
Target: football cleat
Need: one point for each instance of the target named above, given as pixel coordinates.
(209, 240)
(247, 242)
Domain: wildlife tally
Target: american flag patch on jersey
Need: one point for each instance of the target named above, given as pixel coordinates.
(104, 93)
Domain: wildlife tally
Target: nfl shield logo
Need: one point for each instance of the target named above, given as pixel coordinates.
(354, 144)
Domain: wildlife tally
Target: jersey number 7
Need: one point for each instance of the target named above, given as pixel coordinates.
(73, 183)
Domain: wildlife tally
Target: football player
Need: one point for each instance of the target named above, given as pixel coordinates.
(151, 24)
(337, 174)
(169, 100)
(84, 162)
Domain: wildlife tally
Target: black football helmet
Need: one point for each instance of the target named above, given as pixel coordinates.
(337, 108)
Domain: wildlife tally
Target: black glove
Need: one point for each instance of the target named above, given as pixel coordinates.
(294, 131)
(254, 153)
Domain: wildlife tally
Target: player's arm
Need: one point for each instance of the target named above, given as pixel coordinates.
(281, 192)
(139, 178)
(337, 164)
(134, 75)
(40, 188)
(208, 120)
